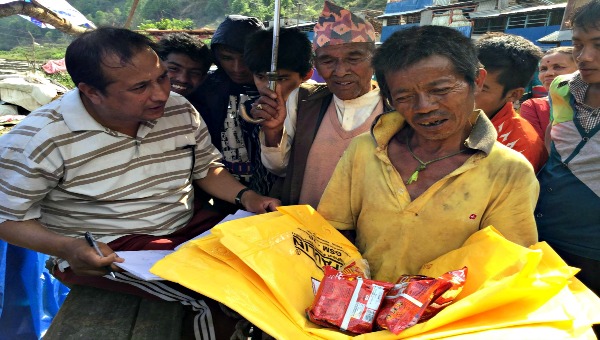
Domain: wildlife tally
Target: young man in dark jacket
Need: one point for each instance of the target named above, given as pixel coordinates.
(218, 101)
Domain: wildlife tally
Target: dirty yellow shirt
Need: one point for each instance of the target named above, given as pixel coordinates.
(495, 186)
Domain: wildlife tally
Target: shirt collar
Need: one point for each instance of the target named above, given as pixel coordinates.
(75, 114)
(362, 101)
(482, 137)
(578, 87)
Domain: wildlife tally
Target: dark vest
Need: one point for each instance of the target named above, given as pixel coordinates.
(313, 101)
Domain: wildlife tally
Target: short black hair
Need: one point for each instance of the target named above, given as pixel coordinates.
(587, 16)
(409, 46)
(85, 55)
(514, 57)
(187, 44)
(294, 52)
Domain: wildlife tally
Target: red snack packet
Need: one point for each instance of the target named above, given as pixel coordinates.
(457, 280)
(417, 298)
(393, 295)
(347, 301)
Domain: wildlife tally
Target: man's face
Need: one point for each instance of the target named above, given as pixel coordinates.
(490, 99)
(434, 99)
(185, 74)
(287, 81)
(346, 69)
(137, 92)
(586, 51)
(233, 64)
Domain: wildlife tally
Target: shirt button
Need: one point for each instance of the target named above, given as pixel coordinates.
(539, 215)
(585, 139)
(389, 168)
(549, 189)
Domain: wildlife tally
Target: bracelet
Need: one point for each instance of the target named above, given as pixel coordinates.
(238, 198)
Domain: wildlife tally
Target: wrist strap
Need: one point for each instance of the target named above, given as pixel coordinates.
(238, 198)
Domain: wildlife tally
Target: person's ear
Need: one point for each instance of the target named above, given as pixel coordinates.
(90, 92)
(480, 80)
(308, 75)
(515, 94)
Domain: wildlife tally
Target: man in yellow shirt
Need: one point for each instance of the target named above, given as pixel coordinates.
(431, 173)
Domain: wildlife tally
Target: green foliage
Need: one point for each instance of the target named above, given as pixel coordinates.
(15, 31)
(38, 53)
(167, 24)
(63, 79)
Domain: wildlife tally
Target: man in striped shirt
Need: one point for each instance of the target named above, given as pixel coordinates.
(116, 156)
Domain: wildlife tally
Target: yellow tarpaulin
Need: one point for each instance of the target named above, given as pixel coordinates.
(263, 267)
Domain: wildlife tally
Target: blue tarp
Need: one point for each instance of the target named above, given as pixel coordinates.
(534, 33)
(389, 30)
(29, 296)
(386, 31)
(406, 6)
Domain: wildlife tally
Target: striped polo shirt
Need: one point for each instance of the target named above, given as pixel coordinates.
(62, 167)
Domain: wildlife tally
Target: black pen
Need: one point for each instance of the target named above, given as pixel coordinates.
(90, 240)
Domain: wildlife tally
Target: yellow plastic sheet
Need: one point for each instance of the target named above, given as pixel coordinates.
(262, 267)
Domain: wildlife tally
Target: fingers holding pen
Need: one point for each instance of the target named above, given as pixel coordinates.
(85, 260)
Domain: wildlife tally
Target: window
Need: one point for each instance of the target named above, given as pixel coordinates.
(414, 18)
(392, 21)
(517, 21)
(494, 24)
(556, 17)
(536, 19)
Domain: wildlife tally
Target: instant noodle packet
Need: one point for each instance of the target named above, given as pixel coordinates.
(417, 298)
(347, 301)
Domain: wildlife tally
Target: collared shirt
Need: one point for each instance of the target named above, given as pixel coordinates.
(518, 134)
(61, 166)
(397, 235)
(587, 116)
(351, 114)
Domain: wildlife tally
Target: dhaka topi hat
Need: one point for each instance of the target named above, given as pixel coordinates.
(338, 26)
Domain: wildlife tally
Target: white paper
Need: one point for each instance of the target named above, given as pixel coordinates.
(139, 262)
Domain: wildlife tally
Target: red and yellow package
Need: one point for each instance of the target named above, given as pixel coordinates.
(457, 280)
(347, 301)
(417, 298)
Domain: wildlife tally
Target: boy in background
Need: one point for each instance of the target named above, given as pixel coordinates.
(187, 60)
(218, 101)
(510, 62)
(294, 59)
(294, 67)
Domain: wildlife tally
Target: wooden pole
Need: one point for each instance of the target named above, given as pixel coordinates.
(131, 12)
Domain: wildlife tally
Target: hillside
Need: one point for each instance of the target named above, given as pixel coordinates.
(15, 31)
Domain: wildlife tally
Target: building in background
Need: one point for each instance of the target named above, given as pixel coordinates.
(531, 19)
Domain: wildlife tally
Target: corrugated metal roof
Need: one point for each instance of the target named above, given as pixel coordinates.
(400, 13)
(514, 10)
(556, 36)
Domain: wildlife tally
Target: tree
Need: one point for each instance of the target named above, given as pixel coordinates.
(167, 24)
(40, 13)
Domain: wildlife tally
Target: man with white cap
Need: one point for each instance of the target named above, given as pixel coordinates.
(303, 139)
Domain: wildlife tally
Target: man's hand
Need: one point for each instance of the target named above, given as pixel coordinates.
(270, 106)
(256, 203)
(84, 260)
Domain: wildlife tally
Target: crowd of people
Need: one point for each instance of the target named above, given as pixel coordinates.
(150, 149)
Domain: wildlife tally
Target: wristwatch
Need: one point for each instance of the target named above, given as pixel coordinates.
(238, 198)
